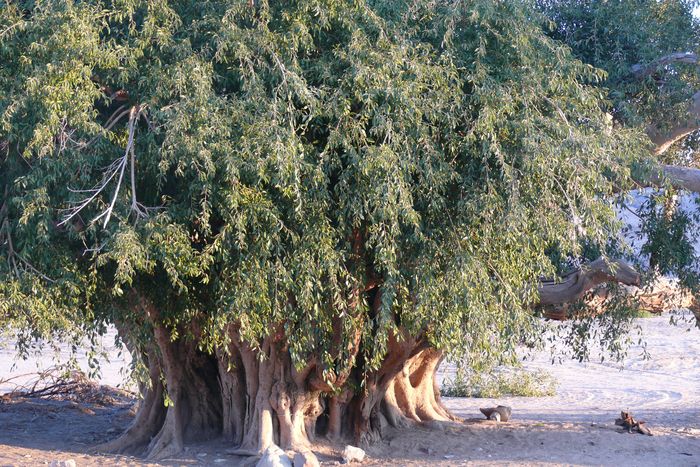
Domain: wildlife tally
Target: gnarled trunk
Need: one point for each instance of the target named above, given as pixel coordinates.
(414, 395)
(256, 397)
(265, 399)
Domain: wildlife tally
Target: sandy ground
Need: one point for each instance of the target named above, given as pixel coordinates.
(575, 427)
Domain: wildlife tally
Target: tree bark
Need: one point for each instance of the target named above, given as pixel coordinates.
(685, 178)
(574, 285)
(664, 138)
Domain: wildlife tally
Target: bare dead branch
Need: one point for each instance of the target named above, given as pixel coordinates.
(117, 167)
(111, 121)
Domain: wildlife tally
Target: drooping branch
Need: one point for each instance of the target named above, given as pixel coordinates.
(664, 137)
(642, 71)
(574, 286)
(16, 262)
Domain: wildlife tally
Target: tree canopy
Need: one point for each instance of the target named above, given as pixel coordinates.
(320, 189)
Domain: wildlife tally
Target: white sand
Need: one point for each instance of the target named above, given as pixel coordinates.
(576, 426)
(664, 387)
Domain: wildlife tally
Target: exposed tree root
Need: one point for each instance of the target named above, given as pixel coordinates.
(149, 418)
(194, 397)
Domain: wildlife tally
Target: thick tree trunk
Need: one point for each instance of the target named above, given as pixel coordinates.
(149, 417)
(414, 395)
(182, 400)
(266, 400)
(193, 395)
(181, 404)
(255, 397)
(402, 392)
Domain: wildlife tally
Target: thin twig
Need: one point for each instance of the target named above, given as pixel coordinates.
(13, 255)
(10, 28)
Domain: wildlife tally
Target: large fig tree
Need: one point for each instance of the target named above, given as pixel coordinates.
(291, 210)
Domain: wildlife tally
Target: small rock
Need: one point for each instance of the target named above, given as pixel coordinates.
(274, 456)
(306, 459)
(500, 414)
(353, 454)
(66, 463)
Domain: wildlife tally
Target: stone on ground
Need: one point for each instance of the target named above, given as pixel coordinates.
(353, 454)
(274, 456)
(306, 459)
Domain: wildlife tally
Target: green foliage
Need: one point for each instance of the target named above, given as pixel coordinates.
(671, 237)
(500, 382)
(616, 36)
(628, 40)
(295, 164)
